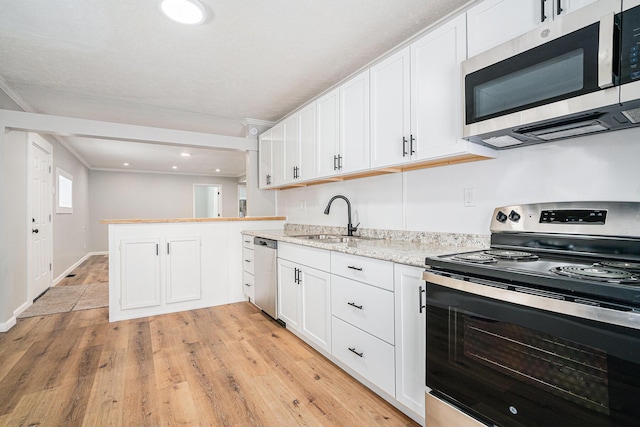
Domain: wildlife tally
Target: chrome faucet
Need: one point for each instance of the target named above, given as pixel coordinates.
(350, 227)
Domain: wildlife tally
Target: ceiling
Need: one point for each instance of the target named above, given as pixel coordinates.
(125, 62)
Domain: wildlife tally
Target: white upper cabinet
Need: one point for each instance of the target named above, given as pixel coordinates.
(390, 105)
(328, 134)
(307, 123)
(291, 138)
(494, 22)
(264, 159)
(278, 159)
(436, 111)
(354, 124)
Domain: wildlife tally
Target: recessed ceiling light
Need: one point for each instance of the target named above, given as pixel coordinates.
(185, 154)
(189, 12)
(217, 170)
(125, 164)
(174, 167)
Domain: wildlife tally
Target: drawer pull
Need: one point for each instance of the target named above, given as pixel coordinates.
(354, 268)
(246, 284)
(247, 241)
(247, 260)
(353, 350)
(353, 304)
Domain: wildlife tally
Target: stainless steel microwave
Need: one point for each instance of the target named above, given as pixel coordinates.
(578, 75)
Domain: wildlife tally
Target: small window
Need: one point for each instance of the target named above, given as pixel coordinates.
(65, 191)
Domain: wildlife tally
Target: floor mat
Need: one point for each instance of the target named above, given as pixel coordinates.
(69, 298)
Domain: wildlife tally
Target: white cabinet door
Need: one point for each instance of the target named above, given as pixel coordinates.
(328, 134)
(390, 104)
(307, 119)
(354, 124)
(410, 331)
(436, 112)
(291, 137)
(277, 154)
(184, 279)
(264, 160)
(288, 294)
(316, 310)
(139, 273)
(494, 22)
(564, 7)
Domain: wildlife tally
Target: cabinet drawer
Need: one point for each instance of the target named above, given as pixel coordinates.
(247, 285)
(247, 241)
(367, 307)
(247, 260)
(316, 258)
(367, 355)
(368, 270)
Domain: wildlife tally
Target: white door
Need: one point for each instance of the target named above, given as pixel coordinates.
(139, 273)
(390, 115)
(288, 294)
(41, 255)
(291, 137)
(316, 306)
(184, 276)
(410, 327)
(354, 123)
(328, 134)
(436, 114)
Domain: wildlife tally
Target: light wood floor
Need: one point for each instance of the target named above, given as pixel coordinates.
(222, 366)
(94, 269)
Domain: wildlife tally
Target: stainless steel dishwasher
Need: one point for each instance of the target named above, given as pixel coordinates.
(265, 274)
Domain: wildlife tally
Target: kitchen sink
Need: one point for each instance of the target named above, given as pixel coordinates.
(332, 238)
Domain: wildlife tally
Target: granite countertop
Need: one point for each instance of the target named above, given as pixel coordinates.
(410, 248)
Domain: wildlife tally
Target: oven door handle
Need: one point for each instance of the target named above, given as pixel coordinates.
(605, 51)
(520, 295)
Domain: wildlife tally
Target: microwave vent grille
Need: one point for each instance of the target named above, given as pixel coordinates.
(502, 141)
(633, 115)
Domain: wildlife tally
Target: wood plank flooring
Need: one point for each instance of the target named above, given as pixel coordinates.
(94, 269)
(222, 366)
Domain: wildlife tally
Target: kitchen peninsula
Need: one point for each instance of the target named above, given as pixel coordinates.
(166, 265)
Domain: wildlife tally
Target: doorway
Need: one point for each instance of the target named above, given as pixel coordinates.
(206, 201)
(39, 222)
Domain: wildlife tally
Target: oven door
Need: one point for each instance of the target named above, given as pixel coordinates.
(510, 364)
(560, 69)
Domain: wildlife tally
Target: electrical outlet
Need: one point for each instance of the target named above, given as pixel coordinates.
(469, 197)
(303, 205)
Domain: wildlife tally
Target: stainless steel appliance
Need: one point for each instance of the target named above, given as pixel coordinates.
(543, 328)
(574, 76)
(265, 275)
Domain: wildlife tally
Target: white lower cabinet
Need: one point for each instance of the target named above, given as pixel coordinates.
(139, 273)
(148, 263)
(304, 293)
(367, 355)
(410, 328)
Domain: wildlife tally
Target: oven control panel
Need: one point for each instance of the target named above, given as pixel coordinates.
(575, 216)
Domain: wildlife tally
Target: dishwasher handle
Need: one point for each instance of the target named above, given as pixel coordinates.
(265, 243)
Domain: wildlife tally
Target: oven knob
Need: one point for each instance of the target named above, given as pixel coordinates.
(514, 216)
(502, 217)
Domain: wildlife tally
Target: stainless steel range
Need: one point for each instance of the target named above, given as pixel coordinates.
(543, 328)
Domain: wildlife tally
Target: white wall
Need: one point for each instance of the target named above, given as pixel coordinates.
(118, 195)
(603, 167)
(14, 292)
(70, 230)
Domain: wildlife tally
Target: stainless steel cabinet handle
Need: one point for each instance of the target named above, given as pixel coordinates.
(246, 284)
(404, 146)
(353, 304)
(353, 350)
(421, 304)
(411, 150)
(559, 9)
(354, 267)
(247, 260)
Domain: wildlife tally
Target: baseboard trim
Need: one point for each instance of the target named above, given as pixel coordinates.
(4, 327)
(76, 265)
(22, 308)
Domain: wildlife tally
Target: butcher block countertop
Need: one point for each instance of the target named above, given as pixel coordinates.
(171, 220)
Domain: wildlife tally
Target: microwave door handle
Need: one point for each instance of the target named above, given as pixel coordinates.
(605, 51)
